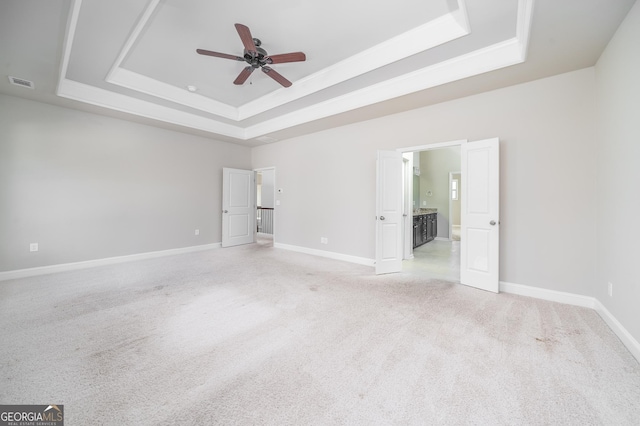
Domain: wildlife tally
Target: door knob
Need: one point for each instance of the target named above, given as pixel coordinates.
(225, 211)
(492, 223)
(381, 217)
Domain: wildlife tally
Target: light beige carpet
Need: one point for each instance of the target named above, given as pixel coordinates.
(254, 335)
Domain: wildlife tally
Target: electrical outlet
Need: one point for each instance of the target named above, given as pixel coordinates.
(324, 240)
(33, 247)
(197, 232)
(610, 289)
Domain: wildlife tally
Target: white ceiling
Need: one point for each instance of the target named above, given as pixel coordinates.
(135, 58)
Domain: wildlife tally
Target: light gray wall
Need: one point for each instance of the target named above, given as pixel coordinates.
(618, 170)
(546, 129)
(436, 166)
(86, 186)
(268, 182)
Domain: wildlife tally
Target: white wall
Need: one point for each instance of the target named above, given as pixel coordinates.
(548, 160)
(618, 167)
(86, 186)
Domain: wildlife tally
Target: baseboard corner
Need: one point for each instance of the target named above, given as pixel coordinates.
(623, 334)
(577, 300)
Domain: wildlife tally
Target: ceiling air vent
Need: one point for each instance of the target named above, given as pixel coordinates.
(266, 139)
(21, 82)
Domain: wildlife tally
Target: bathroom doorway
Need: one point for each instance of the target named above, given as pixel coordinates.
(432, 203)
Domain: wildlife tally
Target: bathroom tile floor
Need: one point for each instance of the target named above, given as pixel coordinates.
(435, 259)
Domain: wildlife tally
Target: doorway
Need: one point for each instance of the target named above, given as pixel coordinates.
(430, 248)
(480, 212)
(265, 205)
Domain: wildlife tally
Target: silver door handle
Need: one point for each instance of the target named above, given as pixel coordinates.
(492, 223)
(381, 217)
(225, 211)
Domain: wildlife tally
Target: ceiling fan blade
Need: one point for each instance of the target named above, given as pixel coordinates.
(219, 55)
(286, 57)
(243, 76)
(247, 39)
(276, 76)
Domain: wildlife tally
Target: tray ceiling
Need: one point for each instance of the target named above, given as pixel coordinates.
(138, 57)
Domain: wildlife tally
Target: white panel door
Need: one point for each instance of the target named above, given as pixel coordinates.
(389, 212)
(238, 207)
(480, 216)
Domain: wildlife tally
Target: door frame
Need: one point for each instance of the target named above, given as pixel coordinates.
(407, 209)
(275, 201)
(409, 188)
(451, 201)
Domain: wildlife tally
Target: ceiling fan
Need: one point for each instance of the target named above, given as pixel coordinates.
(257, 57)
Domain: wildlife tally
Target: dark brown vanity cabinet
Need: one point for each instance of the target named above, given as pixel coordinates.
(425, 228)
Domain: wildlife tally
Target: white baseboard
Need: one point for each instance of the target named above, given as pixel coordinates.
(577, 300)
(43, 270)
(632, 344)
(545, 294)
(329, 254)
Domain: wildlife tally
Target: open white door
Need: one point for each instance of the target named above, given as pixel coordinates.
(389, 212)
(480, 230)
(238, 207)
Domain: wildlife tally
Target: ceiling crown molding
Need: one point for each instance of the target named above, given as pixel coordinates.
(427, 36)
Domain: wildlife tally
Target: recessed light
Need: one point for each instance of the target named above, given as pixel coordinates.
(192, 88)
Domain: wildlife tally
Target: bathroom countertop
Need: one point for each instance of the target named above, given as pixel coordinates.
(418, 212)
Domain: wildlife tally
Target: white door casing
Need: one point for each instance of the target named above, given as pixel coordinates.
(480, 216)
(238, 207)
(389, 212)
(407, 206)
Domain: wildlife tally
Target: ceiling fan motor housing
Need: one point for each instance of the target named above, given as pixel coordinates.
(259, 59)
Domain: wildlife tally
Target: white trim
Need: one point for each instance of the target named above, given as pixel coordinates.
(43, 270)
(489, 58)
(523, 25)
(433, 146)
(627, 339)
(577, 300)
(329, 254)
(72, 23)
(143, 84)
(424, 37)
(546, 294)
(118, 102)
(275, 195)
